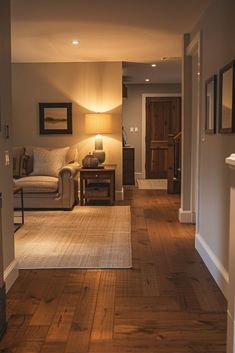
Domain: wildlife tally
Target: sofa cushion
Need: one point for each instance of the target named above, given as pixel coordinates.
(71, 157)
(48, 162)
(38, 184)
(17, 154)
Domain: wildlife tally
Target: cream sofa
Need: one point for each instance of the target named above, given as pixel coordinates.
(49, 191)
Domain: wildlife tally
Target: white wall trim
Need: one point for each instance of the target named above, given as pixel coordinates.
(195, 48)
(10, 274)
(192, 47)
(213, 264)
(139, 175)
(144, 96)
(186, 216)
(119, 195)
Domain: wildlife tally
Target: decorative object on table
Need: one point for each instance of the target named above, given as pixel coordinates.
(90, 161)
(55, 118)
(211, 89)
(87, 237)
(227, 99)
(97, 124)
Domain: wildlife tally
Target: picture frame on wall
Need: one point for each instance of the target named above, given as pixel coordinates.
(55, 118)
(227, 99)
(211, 89)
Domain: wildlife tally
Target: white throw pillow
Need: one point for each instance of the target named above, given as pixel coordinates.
(48, 162)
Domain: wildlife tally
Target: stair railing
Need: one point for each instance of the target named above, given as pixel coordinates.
(174, 163)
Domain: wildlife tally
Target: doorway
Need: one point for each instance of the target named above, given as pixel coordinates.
(163, 118)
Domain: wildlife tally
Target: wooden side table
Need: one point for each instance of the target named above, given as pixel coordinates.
(103, 179)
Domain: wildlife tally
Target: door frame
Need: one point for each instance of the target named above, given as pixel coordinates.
(143, 150)
(194, 48)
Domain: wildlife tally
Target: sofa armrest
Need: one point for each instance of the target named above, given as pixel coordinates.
(68, 185)
(71, 169)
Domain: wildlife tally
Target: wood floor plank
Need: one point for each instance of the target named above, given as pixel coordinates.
(167, 303)
(46, 309)
(128, 282)
(102, 328)
(80, 332)
(61, 324)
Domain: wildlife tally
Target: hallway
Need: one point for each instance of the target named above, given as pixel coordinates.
(168, 302)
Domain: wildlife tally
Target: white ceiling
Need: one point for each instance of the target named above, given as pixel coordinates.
(133, 31)
(109, 30)
(168, 71)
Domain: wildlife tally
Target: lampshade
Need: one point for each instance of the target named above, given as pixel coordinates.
(98, 123)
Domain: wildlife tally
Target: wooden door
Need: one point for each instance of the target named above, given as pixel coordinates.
(163, 117)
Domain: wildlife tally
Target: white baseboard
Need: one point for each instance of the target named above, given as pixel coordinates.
(213, 264)
(119, 195)
(10, 274)
(139, 175)
(186, 216)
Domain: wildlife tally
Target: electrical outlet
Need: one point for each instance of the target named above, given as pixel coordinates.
(131, 129)
(136, 129)
(7, 158)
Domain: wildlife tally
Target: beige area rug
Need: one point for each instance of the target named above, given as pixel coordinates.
(87, 237)
(152, 184)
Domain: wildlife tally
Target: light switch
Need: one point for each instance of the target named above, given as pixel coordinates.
(131, 129)
(7, 158)
(136, 129)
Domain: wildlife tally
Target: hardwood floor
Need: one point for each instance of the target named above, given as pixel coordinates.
(167, 303)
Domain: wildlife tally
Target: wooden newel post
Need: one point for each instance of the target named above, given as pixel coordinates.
(170, 164)
(2, 283)
(231, 267)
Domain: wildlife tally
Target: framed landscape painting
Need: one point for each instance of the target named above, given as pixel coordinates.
(55, 118)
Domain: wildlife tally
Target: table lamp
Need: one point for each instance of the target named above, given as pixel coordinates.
(98, 124)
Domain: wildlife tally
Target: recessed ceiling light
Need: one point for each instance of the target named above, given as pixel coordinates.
(75, 42)
(153, 65)
(147, 80)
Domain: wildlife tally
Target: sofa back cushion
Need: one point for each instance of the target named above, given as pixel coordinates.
(48, 162)
(71, 155)
(17, 154)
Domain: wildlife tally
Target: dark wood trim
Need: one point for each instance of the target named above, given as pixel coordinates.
(128, 166)
(2, 282)
(231, 65)
(3, 324)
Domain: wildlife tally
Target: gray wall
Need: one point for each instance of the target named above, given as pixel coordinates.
(132, 113)
(5, 106)
(218, 31)
(91, 87)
